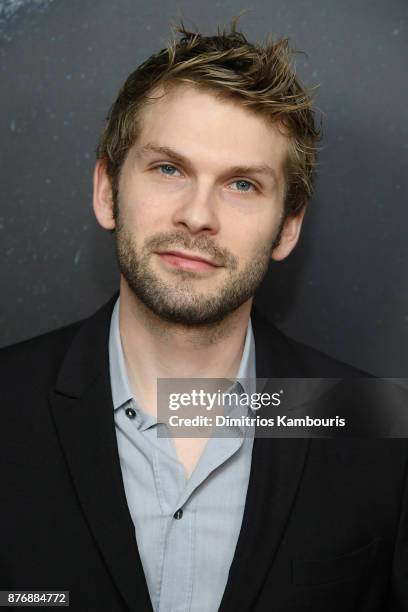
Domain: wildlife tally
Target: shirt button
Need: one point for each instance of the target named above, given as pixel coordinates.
(178, 514)
(130, 413)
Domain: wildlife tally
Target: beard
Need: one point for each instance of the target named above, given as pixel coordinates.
(177, 299)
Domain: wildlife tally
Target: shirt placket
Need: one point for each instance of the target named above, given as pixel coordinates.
(178, 553)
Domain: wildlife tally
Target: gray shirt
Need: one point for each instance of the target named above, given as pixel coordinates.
(186, 529)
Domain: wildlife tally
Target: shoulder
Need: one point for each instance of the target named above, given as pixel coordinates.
(276, 349)
(37, 359)
(32, 366)
(314, 360)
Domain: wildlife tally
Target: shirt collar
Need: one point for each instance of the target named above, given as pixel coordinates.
(121, 391)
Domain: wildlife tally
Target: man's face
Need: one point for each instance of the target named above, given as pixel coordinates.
(186, 187)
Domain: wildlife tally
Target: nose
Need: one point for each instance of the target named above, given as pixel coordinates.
(198, 212)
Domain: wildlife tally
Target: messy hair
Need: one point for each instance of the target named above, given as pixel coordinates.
(261, 78)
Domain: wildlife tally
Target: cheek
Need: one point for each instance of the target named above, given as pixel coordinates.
(246, 244)
(269, 225)
(250, 235)
(141, 208)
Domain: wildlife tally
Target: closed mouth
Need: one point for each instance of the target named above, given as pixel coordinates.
(192, 257)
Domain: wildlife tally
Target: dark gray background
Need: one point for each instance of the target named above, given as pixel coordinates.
(344, 290)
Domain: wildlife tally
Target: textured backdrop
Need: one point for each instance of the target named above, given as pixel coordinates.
(345, 288)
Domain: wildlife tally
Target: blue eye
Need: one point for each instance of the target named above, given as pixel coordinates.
(244, 183)
(167, 167)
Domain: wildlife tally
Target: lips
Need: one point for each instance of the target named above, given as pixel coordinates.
(188, 262)
(191, 256)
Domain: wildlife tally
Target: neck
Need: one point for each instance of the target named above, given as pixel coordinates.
(157, 348)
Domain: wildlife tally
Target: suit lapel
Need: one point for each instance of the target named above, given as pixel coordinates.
(83, 414)
(276, 471)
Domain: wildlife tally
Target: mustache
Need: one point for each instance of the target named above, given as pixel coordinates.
(202, 244)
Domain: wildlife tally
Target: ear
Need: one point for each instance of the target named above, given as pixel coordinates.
(102, 196)
(289, 235)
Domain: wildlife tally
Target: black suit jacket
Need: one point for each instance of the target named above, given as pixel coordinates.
(325, 522)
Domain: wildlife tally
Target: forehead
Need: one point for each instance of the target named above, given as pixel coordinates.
(198, 122)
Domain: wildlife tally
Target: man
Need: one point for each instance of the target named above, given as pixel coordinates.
(204, 171)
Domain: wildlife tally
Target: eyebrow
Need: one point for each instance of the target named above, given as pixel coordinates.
(173, 154)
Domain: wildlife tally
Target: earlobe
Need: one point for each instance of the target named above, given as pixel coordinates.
(289, 236)
(102, 197)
